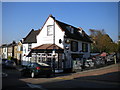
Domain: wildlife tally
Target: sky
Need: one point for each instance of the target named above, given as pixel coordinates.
(18, 18)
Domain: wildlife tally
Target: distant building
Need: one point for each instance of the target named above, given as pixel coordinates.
(11, 50)
(3, 51)
(19, 52)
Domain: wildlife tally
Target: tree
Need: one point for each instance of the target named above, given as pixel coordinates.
(102, 42)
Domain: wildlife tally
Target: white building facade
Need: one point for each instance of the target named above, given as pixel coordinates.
(69, 43)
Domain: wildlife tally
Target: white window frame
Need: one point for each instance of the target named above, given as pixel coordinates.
(50, 30)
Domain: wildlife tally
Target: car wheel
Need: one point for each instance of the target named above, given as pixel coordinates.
(32, 74)
(22, 73)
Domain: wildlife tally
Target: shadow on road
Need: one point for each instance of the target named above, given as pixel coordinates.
(109, 80)
(12, 80)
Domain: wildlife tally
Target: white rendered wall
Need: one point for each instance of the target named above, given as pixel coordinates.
(42, 37)
(26, 59)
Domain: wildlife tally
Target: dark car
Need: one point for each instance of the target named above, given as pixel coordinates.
(36, 69)
(9, 64)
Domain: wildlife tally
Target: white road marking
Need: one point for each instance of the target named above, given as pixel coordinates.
(35, 86)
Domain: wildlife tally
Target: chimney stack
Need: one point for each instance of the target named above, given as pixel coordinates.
(80, 29)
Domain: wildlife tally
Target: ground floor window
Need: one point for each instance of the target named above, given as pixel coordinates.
(48, 59)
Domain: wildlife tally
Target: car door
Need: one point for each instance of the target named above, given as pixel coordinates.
(32, 68)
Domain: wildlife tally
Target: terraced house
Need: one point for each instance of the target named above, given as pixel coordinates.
(56, 43)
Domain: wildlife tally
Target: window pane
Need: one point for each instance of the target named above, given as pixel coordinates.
(84, 47)
(74, 46)
(50, 30)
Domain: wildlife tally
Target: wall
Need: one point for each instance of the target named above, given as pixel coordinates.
(25, 59)
(42, 38)
(4, 53)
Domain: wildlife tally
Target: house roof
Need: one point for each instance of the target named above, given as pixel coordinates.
(76, 35)
(47, 46)
(31, 37)
(4, 45)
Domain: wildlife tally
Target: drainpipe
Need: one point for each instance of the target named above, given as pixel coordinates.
(54, 46)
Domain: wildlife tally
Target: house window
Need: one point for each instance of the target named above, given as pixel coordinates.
(49, 30)
(74, 46)
(71, 29)
(21, 48)
(84, 47)
(29, 47)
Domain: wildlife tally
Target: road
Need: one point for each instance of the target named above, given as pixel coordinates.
(107, 77)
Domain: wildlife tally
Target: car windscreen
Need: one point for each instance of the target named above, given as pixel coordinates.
(43, 64)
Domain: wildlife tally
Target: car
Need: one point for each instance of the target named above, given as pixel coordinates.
(36, 69)
(89, 63)
(10, 64)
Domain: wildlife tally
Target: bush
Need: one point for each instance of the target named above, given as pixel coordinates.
(9, 57)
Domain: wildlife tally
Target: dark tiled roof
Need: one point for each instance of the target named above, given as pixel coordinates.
(4, 45)
(31, 37)
(76, 35)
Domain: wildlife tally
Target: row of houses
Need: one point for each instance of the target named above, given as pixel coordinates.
(12, 51)
(55, 43)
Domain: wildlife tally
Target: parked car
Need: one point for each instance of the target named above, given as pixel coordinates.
(10, 64)
(4, 75)
(36, 69)
(110, 58)
(99, 61)
(89, 63)
(3, 63)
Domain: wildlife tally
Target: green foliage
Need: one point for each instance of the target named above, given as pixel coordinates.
(102, 42)
(9, 57)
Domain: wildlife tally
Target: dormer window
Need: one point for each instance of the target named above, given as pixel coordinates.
(70, 28)
(49, 30)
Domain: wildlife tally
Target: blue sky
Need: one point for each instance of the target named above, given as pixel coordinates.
(20, 17)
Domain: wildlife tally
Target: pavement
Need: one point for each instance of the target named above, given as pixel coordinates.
(102, 74)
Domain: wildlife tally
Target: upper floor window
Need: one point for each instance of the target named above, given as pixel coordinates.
(74, 46)
(70, 28)
(21, 48)
(29, 47)
(84, 47)
(49, 30)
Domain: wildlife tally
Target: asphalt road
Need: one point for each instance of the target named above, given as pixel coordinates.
(107, 77)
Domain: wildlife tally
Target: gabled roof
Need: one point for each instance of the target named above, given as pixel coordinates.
(31, 37)
(76, 35)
